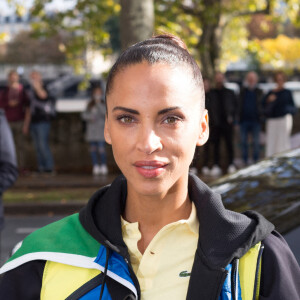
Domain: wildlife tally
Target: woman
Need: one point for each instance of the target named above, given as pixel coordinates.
(95, 117)
(279, 107)
(16, 104)
(140, 237)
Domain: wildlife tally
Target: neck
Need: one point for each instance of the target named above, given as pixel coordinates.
(154, 212)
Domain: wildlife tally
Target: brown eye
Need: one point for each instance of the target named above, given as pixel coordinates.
(126, 119)
(171, 120)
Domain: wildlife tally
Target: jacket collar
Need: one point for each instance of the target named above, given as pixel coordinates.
(223, 234)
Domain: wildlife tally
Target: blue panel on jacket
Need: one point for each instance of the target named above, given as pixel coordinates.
(116, 264)
(95, 294)
(226, 293)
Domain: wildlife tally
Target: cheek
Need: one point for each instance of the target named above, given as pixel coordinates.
(182, 144)
(122, 143)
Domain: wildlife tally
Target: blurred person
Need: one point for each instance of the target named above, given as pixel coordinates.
(95, 118)
(15, 102)
(278, 107)
(157, 232)
(8, 161)
(223, 104)
(250, 115)
(42, 105)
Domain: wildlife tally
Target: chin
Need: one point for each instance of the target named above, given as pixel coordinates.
(148, 187)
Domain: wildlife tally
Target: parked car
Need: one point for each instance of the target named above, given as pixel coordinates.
(271, 187)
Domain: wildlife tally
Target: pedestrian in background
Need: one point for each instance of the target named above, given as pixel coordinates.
(42, 105)
(250, 115)
(8, 161)
(278, 107)
(94, 116)
(223, 104)
(15, 102)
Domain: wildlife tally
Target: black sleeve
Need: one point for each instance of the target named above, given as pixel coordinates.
(24, 282)
(280, 273)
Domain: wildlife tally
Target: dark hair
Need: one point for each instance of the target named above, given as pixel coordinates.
(279, 73)
(162, 48)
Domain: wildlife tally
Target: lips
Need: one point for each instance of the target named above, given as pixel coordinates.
(150, 169)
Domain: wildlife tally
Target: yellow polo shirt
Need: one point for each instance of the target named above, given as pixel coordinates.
(164, 269)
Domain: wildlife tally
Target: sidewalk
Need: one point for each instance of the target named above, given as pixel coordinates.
(48, 181)
(40, 183)
(58, 184)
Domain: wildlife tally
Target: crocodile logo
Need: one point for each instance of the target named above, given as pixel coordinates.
(184, 274)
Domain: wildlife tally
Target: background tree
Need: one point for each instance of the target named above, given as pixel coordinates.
(210, 17)
(216, 30)
(95, 25)
(88, 26)
(137, 21)
(24, 49)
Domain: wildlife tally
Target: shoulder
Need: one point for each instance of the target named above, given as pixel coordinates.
(62, 241)
(276, 247)
(280, 275)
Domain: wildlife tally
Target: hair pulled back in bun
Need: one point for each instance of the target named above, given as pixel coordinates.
(164, 48)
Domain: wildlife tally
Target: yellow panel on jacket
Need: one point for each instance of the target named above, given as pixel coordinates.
(60, 280)
(247, 272)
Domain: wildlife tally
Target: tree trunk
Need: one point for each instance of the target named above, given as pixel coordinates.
(210, 40)
(209, 50)
(137, 21)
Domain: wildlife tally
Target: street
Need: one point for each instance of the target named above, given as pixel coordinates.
(18, 227)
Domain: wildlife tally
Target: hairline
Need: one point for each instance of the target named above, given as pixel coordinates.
(122, 66)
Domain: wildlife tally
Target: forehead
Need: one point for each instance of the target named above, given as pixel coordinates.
(13, 74)
(279, 76)
(157, 81)
(34, 74)
(251, 75)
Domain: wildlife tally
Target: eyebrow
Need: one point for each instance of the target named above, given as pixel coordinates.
(129, 110)
(135, 112)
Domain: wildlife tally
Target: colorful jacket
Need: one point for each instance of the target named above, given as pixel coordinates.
(84, 255)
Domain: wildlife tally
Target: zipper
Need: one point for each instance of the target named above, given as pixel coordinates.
(127, 260)
(235, 279)
(134, 278)
(257, 272)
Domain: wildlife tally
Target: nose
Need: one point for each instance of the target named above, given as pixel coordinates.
(149, 141)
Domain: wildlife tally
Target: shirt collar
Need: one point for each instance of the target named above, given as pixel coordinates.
(192, 223)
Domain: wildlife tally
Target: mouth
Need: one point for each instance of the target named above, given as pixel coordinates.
(150, 169)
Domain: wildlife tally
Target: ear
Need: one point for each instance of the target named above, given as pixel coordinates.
(204, 129)
(106, 131)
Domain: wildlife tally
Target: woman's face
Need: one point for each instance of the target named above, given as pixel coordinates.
(279, 79)
(13, 77)
(154, 122)
(97, 94)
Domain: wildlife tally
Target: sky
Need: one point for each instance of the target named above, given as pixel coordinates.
(6, 9)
